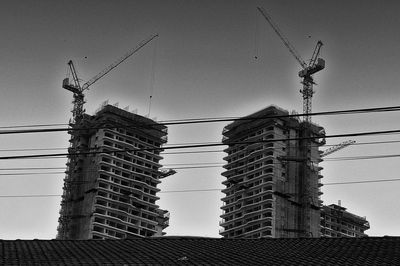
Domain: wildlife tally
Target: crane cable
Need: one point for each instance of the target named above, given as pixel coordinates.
(152, 76)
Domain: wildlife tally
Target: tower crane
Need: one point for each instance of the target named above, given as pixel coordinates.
(337, 147)
(77, 89)
(324, 153)
(74, 177)
(315, 64)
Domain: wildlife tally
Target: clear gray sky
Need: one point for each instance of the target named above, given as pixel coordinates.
(202, 65)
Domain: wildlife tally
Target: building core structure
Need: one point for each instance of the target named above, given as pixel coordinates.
(337, 222)
(272, 185)
(113, 169)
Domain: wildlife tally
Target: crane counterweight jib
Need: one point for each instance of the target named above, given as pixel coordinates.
(312, 69)
(66, 85)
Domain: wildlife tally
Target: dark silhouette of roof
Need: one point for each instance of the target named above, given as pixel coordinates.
(203, 251)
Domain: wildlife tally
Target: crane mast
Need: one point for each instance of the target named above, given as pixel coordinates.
(78, 96)
(315, 64)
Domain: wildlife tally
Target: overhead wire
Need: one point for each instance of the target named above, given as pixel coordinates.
(207, 120)
(385, 132)
(37, 125)
(209, 189)
(33, 149)
(182, 166)
(206, 151)
(250, 118)
(214, 144)
(213, 164)
(173, 166)
(30, 174)
(365, 157)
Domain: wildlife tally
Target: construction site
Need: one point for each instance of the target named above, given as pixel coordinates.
(272, 185)
(110, 188)
(273, 173)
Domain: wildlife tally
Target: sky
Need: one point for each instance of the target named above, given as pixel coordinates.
(213, 58)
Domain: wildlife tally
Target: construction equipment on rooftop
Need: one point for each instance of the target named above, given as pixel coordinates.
(315, 64)
(78, 90)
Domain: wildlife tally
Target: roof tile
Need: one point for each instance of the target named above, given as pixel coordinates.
(203, 251)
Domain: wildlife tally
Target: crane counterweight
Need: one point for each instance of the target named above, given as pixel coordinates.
(313, 69)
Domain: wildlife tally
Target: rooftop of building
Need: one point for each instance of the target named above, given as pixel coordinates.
(267, 113)
(336, 207)
(203, 251)
(127, 115)
(343, 214)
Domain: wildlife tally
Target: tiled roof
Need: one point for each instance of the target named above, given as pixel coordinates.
(203, 251)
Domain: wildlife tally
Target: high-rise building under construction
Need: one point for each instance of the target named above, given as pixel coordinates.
(336, 221)
(272, 176)
(113, 170)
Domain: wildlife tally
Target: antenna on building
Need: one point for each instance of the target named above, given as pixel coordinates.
(339, 202)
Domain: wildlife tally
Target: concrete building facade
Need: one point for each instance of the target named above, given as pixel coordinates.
(337, 222)
(272, 185)
(113, 169)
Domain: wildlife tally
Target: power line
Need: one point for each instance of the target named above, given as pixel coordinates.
(209, 189)
(45, 158)
(363, 182)
(228, 119)
(33, 149)
(191, 190)
(195, 152)
(203, 120)
(31, 168)
(42, 173)
(362, 157)
(182, 166)
(95, 171)
(38, 125)
(203, 145)
(205, 163)
(31, 196)
(208, 151)
(191, 143)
